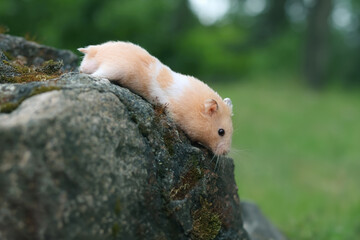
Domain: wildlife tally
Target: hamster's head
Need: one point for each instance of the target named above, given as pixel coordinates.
(218, 131)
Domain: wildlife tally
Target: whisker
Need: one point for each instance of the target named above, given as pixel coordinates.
(217, 162)
(237, 152)
(221, 163)
(224, 164)
(212, 159)
(241, 156)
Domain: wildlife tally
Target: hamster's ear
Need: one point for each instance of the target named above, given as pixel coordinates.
(228, 102)
(83, 50)
(90, 51)
(210, 107)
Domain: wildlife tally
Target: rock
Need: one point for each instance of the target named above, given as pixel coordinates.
(32, 53)
(82, 158)
(6, 70)
(32, 61)
(256, 224)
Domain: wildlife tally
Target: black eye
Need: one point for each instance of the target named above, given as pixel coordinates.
(221, 132)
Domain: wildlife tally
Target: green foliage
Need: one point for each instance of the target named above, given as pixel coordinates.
(211, 53)
(239, 47)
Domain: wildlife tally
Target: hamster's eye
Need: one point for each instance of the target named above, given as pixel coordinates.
(221, 132)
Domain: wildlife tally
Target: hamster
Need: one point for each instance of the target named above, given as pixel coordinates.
(197, 109)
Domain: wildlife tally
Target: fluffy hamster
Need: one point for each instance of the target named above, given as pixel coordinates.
(197, 109)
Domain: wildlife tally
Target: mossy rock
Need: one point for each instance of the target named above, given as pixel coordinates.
(93, 160)
(8, 107)
(22, 73)
(206, 222)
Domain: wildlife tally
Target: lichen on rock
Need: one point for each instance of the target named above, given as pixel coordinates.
(22, 73)
(206, 222)
(9, 106)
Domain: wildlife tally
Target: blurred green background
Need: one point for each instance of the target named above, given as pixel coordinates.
(291, 67)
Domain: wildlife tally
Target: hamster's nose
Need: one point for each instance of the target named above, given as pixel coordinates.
(222, 151)
(225, 152)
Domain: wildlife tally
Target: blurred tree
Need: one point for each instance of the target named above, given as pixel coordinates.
(317, 44)
(261, 27)
(352, 77)
(273, 20)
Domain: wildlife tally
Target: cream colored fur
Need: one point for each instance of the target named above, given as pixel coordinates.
(193, 105)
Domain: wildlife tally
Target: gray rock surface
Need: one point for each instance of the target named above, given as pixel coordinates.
(257, 225)
(6, 71)
(90, 160)
(35, 54)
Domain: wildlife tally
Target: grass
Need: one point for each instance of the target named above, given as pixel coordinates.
(298, 157)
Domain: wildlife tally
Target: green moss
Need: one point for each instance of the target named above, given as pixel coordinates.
(50, 67)
(3, 29)
(8, 55)
(206, 223)
(115, 230)
(28, 78)
(187, 182)
(48, 70)
(169, 142)
(8, 107)
(31, 38)
(160, 117)
(18, 67)
(117, 207)
(11, 106)
(43, 89)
